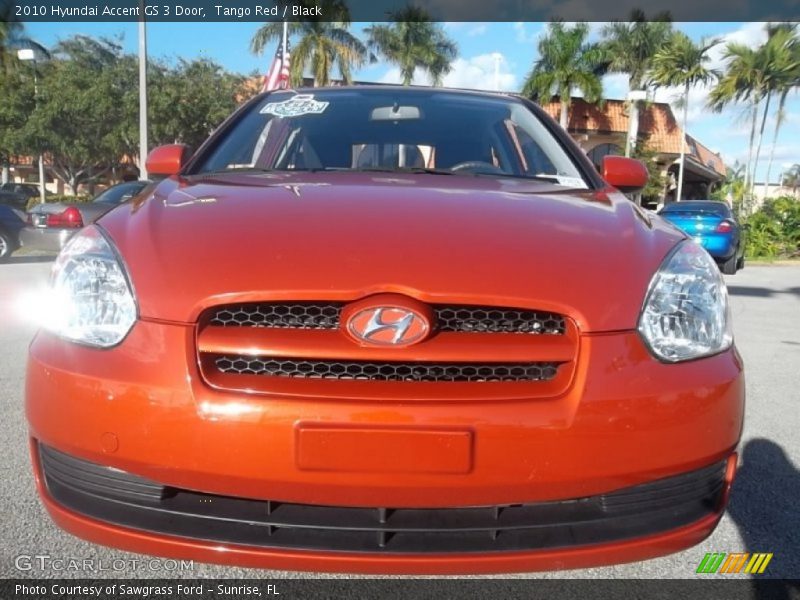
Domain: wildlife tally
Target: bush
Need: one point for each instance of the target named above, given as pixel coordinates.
(774, 230)
(55, 198)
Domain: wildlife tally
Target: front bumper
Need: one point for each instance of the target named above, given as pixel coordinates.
(50, 239)
(626, 420)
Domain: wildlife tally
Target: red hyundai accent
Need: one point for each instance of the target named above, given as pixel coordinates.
(381, 330)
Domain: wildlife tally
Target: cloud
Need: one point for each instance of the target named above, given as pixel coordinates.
(477, 72)
(483, 72)
(522, 35)
(472, 29)
(453, 25)
(784, 153)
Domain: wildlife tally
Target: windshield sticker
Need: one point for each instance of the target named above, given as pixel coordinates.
(302, 104)
(575, 182)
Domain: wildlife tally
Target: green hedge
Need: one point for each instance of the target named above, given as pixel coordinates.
(773, 231)
(55, 198)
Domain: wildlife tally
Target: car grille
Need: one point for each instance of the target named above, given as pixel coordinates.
(385, 371)
(458, 318)
(124, 499)
(291, 346)
(297, 315)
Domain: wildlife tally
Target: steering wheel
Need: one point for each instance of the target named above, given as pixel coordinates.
(478, 166)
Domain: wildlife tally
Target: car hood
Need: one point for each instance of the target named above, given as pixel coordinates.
(343, 236)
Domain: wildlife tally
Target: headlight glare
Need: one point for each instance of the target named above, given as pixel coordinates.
(92, 300)
(686, 314)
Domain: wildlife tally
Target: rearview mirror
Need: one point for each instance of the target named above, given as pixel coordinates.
(626, 174)
(394, 113)
(168, 160)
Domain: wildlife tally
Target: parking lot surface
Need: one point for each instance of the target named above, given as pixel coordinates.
(762, 517)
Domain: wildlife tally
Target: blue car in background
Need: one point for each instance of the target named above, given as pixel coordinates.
(713, 226)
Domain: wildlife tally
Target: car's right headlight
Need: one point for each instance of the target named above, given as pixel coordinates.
(92, 298)
(686, 314)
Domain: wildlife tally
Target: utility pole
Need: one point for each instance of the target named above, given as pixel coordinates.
(30, 54)
(498, 58)
(142, 92)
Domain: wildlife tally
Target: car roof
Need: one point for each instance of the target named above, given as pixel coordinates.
(402, 89)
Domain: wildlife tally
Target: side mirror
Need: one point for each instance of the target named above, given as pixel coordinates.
(168, 160)
(626, 174)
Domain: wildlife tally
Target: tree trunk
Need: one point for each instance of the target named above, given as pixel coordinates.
(749, 165)
(634, 83)
(6, 174)
(564, 120)
(778, 116)
(758, 147)
(408, 75)
(679, 192)
(631, 134)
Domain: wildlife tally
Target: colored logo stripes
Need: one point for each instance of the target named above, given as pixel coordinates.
(719, 562)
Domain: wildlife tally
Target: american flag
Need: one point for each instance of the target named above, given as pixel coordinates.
(277, 78)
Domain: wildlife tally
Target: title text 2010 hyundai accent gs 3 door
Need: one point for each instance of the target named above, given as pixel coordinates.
(386, 330)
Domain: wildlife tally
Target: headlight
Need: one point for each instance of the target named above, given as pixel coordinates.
(685, 313)
(92, 298)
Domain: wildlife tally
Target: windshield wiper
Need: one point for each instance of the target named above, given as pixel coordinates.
(411, 170)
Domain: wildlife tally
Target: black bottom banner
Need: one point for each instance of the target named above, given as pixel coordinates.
(397, 589)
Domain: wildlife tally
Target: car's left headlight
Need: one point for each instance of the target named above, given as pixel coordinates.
(92, 298)
(686, 314)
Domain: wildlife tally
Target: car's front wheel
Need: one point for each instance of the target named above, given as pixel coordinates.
(729, 266)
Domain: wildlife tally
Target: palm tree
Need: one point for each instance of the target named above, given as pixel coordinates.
(682, 63)
(566, 63)
(791, 178)
(322, 45)
(784, 39)
(774, 68)
(10, 30)
(412, 41)
(13, 38)
(741, 81)
(629, 47)
(754, 75)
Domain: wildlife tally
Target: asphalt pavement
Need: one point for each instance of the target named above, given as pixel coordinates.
(763, 515)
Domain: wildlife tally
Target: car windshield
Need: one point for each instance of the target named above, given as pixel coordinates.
(393, 130)
(120, 192)
(716, 208)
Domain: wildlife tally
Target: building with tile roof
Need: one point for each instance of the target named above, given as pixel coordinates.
(602, 129)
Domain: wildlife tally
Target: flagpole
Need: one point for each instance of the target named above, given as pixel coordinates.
(285, 46)
(142, 92)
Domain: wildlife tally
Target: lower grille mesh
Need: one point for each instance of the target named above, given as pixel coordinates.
(146, 505)
(386, 371)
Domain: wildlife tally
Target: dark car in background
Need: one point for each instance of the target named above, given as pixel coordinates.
(51, 225)
(712, 225)
(17, 195)
(12, 221)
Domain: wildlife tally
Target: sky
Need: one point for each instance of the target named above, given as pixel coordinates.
(481, 47)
